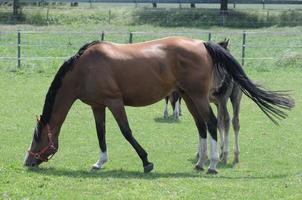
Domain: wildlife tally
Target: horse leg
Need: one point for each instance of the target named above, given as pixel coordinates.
(176, 109)
(180, 113)
(224, 127)
(202, 131)
(99, 116)
(119, 113)
(220, 128)
(175, 104)
(235, 99)
(205, 111)
(166, 114)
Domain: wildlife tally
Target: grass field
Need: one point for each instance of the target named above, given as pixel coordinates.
(269, 168)
(270, 161)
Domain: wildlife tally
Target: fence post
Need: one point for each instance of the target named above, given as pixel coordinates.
(19, 49)
(210, 36)
(102, 36)
(222, 18)
(109, 16)
(130, 37)
(243, 47)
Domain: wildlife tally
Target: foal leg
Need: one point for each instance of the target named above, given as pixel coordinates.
(180, 113)
(176, 109)
(235, 99)
(166, 114)
(220, 127)
(224, 127)
(119, 113)
(99, 116)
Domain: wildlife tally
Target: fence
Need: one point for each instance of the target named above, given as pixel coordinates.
(37, 48)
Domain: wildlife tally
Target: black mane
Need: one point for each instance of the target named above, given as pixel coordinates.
(57, 82)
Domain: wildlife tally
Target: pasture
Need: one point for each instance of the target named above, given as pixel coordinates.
(270, 160)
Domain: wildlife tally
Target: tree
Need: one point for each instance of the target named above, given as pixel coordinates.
(16, 8)
(224, 5)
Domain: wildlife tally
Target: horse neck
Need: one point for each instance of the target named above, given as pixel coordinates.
(65, 97)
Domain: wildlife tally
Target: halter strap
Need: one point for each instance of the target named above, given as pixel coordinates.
(51, 146)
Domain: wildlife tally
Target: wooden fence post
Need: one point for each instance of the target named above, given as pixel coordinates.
(243, 47)
(19, 49)
(109, 17)
(130, 37)
(102, 36)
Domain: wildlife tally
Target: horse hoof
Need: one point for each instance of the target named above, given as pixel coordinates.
(212, 171)
(96, 167)
(148, 168)
(198, 168)
(236, 161)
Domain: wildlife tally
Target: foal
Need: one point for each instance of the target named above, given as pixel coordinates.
(108, 75)
(223, 89)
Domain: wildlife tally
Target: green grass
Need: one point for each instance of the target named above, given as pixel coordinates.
(270, 159)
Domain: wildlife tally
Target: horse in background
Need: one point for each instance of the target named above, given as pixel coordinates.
(109, 75)
(175, 99)
(223, 89)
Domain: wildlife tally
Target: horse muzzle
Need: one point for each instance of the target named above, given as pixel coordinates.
(31, 161)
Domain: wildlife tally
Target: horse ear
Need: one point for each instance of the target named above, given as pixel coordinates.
(227, 42)
(224, 43)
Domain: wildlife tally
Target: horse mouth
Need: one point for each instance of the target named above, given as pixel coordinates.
(31, 162)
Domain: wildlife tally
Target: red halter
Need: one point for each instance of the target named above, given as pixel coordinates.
(50, 147)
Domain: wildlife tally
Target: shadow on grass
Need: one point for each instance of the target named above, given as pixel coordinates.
(123, 174)
(169, 120)
(220, 165)
(205, 18)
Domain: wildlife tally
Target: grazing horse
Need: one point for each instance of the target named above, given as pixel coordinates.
(108, 75)
(223, 89)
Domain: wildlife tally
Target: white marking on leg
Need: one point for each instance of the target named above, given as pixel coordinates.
(214, 154)
(102, 160)
(166, 114)
(236, 147)
(202, 152)
(176, 110)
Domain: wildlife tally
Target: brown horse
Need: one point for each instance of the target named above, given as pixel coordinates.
(104, 74)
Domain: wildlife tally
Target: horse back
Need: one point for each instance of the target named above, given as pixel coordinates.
(143, 73)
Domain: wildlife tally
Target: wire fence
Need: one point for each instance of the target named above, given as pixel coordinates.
(39, 48)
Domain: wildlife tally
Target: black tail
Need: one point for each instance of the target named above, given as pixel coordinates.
(270, 102)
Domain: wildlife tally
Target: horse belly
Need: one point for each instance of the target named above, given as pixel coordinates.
(143, 96)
